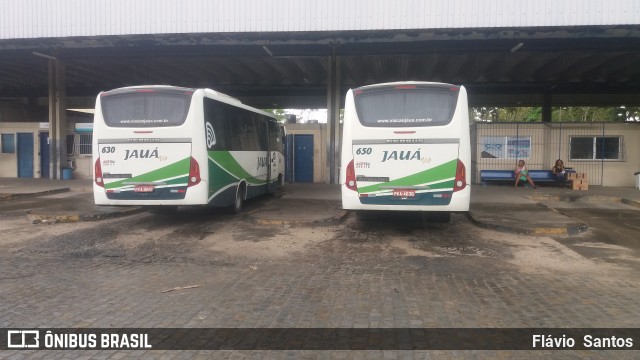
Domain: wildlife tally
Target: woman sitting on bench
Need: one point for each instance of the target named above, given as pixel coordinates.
(523, 174)
(559, 171)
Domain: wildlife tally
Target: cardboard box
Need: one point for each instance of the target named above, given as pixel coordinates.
(579, 184)
(580, 176)
(572, 176)
(576, 184)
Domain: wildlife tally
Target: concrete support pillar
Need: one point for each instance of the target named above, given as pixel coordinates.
(57, 119)
(333, 114)
(53, 157)
(546, 107)
(61, 116)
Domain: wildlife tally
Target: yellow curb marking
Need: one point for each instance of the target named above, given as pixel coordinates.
(549, 231)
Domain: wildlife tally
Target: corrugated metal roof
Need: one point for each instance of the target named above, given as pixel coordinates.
(69, 18)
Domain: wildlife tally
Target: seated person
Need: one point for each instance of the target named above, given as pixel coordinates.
(559, 171)
(521, 173)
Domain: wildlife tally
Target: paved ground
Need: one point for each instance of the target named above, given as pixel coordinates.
(387, 271)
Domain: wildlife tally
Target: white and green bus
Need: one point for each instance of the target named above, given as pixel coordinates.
(406, 146)
(166, 146)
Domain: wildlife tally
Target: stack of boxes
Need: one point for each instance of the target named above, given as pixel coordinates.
(579, 181)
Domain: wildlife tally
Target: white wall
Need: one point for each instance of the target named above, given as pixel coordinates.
(83, 168)
(9, 162)
(69, 18)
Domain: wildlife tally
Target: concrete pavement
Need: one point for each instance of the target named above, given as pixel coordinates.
(13, 188)
(523, 210)
(62, 200)
(536, 212)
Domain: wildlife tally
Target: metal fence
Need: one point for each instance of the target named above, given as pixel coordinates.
(595, 149)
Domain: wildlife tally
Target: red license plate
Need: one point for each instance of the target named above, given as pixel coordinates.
(404, 193)
(143, 188)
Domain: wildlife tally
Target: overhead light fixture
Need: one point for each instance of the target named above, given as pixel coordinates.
(44, 56)
(87, 111)
(516, 48)
(267, 50)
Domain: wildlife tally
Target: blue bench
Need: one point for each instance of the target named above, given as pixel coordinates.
(544, 176)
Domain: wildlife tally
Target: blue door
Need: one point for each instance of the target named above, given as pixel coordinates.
(25, 155)
(303, 158)
(44, 155)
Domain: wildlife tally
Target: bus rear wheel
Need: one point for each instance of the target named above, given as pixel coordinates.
(237, 204)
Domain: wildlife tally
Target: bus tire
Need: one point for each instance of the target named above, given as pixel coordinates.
(272, 187)
(237, 204)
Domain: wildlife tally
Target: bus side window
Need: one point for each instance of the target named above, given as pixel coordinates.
(273, 136)
(262, 132)
(283, 139)
(234, 129)
(220, 127)
(214, 114)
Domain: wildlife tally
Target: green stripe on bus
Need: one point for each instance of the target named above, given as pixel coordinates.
(229, 163)
(433, 187)
(176, 169)
(435, 174)
(218, 178)
(183, 180)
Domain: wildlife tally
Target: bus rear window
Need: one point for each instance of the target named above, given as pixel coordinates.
(145, 109)
(413, 107)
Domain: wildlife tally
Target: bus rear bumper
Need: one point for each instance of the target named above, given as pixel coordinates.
(459, 203)
(195, 195)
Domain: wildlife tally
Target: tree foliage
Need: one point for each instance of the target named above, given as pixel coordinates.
(280, 114)
(558, 114)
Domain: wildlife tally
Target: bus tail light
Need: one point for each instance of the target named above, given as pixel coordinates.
(461, 175)
(351, 177)
(194, 173)
(97, 174)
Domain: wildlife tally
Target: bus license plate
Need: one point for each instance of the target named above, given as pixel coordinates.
(143, 188)
(404, 193)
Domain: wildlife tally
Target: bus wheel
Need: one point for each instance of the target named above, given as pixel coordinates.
(237, 204)
(272, 188)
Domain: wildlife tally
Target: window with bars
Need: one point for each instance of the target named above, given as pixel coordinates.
(79, 144)
(84, 144)
(596, 148)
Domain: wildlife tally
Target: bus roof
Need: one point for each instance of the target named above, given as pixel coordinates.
(405, 83)
(146, 88)
(168, 88)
